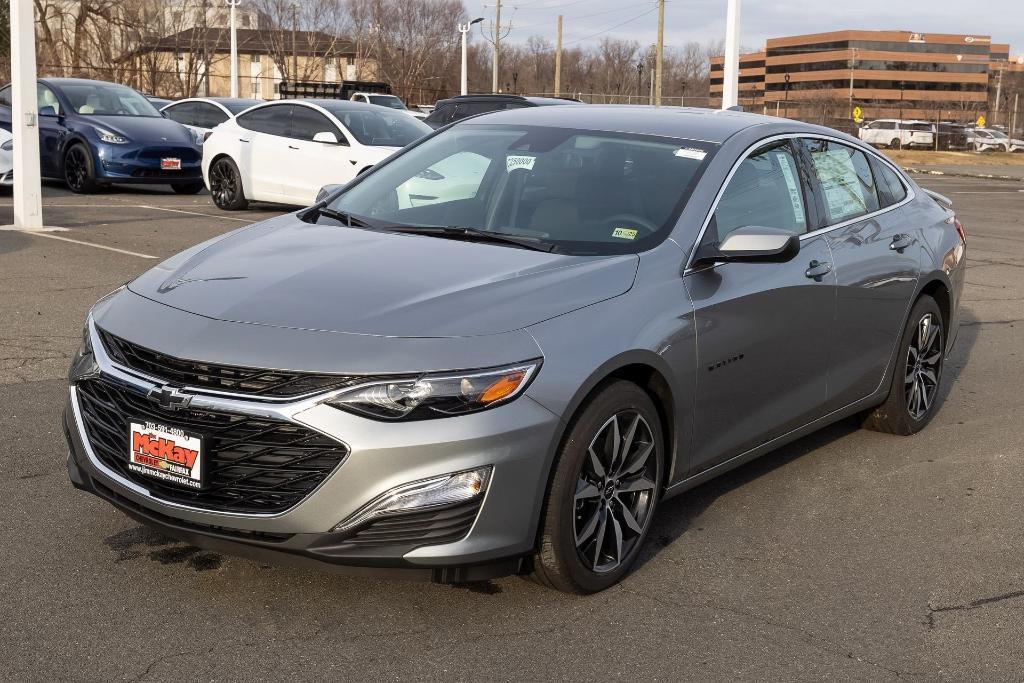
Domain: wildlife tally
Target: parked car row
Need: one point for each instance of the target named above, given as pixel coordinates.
(897, 134)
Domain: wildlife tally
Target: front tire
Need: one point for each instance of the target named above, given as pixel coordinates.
(226, 185)
(187, 188)
(894, 143)
(79, 173)
(913, 394)
(604, 490)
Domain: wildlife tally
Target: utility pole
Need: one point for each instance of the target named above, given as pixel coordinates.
(464, 29)
(28, 206)
(999, 90)
(295, 43)
(234, 48)
(497, 48)
(558, 58)
(650, 74)
(1013, 120)
(730, 84)
(659, 54)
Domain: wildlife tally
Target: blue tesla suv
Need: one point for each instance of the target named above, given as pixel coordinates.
(93, 134)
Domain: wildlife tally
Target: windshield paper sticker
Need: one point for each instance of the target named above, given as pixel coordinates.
(794, 191)
(624, 233)
(691, 153)
(512, 163)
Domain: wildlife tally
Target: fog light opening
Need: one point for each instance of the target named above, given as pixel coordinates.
(448, 489)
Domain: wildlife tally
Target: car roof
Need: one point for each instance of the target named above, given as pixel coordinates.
(73, 81)
(330, 104)
(708, 125)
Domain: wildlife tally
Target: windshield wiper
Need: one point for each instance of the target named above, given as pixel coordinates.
(461, 232)
(349, 219)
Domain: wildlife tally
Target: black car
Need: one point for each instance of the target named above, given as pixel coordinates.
(463, 106)
(952, 136)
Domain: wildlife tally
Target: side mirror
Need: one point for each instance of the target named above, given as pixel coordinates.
(325, 192)
(326, 137)
(48, 110)
(751, 244)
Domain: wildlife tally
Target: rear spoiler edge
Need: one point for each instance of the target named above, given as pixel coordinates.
(940, 198)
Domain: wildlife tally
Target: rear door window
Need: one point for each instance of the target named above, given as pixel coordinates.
(891, 189)
(307, 122)
(844, 177)
(208, 115)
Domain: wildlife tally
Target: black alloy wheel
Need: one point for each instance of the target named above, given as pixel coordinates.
(914, 391)
(605, 486)
(78, 170)
(226, 185)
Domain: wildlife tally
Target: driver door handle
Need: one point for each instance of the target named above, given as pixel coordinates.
(818, 269)
(901, 242)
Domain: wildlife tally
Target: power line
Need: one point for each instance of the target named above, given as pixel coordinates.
(579, 16)
(612, 28)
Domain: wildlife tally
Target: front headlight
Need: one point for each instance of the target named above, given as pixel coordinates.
(437, 395)
(83, 365)
(111, 137)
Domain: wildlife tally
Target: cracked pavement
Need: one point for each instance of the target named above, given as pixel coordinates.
(848, 555)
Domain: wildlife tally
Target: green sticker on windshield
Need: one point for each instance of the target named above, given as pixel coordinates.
(624, 233)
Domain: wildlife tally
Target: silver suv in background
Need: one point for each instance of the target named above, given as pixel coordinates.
(896, 134)
(499, 349)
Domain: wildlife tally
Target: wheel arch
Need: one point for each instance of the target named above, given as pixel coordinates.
(937, 286)
(225, 155)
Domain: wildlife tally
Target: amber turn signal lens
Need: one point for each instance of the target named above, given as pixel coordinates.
(503, 387)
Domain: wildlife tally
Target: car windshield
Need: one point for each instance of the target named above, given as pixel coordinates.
(379, 127)
(580, 191)
(387, 101)
(998, 134)
(108, 99)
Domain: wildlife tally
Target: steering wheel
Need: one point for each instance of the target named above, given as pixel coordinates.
(629, 221)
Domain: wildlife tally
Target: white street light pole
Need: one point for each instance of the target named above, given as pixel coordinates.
(464, 29)
(28, 207)
(234, 48)
(730, 84)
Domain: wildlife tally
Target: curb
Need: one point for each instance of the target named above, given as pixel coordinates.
(958, 174)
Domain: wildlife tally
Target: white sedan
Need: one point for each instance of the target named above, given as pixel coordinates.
(285, 151)
(202, 114)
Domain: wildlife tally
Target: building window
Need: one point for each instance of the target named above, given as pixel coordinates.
(254, 58)
(246, 21)
(255, 89)
(350, 61)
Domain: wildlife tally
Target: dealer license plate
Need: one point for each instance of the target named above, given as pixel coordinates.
(170, 164)
(166, 453)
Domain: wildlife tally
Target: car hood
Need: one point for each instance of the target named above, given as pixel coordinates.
(145, 129)
(287, 273)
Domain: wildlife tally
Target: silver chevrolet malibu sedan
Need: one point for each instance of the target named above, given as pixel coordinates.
(497, 352)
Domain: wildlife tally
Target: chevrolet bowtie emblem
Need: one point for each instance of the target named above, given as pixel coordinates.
(169, 398)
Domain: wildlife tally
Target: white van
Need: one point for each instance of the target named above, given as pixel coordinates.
(895, 134)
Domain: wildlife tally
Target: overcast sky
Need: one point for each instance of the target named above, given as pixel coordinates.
(587, 21)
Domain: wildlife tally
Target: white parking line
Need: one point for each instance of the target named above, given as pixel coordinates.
(88, 244)
(195, 213)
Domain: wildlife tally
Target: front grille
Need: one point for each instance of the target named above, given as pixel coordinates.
(431, 527)
(231, 378)
(253, 465)
(186, 154)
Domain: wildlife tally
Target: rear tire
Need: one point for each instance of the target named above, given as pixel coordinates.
(187, 188)
(917, 378)
(226, 185)
(894, 143)
(605, 487)
(79, 173)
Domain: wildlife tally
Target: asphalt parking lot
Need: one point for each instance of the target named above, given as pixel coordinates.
(848, 555)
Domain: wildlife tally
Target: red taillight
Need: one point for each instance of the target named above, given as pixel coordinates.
(960, 231)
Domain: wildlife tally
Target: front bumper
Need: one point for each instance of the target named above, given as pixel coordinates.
(141, 164)
(516, 440)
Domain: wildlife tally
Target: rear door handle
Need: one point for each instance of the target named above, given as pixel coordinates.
(818, 269)
(243, 140)
(292, 147)
(901, 242)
